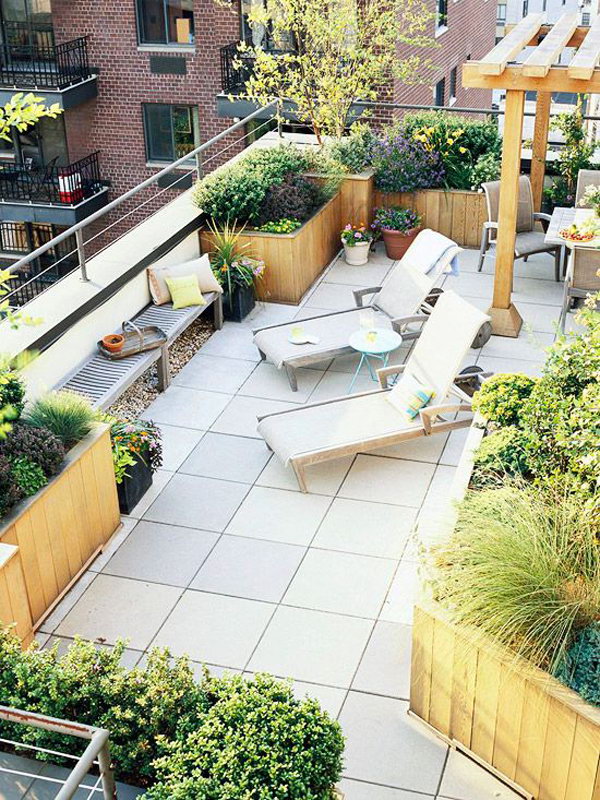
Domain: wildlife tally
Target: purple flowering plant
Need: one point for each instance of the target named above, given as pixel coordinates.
(402, 164)
(356, 234)
(396, 218)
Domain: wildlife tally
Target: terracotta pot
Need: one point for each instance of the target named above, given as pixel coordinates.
(397, 243)
(113, 342)
(358, 255)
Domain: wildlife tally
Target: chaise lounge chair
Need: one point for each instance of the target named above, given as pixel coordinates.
(397, 304)
(362, 422)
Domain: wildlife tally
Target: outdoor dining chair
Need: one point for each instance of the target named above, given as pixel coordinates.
(400, 303)
(582, 278)
(528, 240)
(368, 421)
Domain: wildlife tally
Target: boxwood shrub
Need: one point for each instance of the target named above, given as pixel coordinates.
(219, 738)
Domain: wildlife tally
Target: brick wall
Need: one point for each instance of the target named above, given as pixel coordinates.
(470, 33)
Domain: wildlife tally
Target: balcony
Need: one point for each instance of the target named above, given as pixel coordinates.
(31, 61)
(52, 194)
(236, 68)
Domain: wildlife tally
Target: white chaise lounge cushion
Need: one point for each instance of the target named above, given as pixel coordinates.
(352, 419)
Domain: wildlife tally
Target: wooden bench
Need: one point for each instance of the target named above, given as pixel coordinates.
(102, 381)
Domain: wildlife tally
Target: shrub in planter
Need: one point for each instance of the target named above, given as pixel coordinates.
(459, 141)
(580, 669)
(28, 476)
(500, 399)
(500, 455)
(523, 567)
(66, 414)
(38, 444)
(253, 740)
(295, 198)
(138, 706)
(10, 492)
(353, 152)
(486, 168)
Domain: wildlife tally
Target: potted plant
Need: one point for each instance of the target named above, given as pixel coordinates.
(398, 227)
(591, 199)
(235, 271)
(137, 454)
(357, 241)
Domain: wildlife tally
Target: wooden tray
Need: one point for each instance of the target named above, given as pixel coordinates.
(137, 340)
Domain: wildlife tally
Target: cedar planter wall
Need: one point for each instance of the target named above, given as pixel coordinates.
(293, 260)
(457, 214)
(518, 719)
(48, 540)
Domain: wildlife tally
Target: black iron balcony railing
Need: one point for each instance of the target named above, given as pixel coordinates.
(237, 67)
(49, 184)
(41, 64)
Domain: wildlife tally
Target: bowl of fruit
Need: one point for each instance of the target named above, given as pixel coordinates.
(579, 234)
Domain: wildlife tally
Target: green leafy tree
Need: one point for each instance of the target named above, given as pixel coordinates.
(332, 53)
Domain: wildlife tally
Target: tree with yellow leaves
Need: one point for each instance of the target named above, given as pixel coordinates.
(329, 53)
(22, 112)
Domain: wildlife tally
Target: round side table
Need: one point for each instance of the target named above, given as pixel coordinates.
(375, 343)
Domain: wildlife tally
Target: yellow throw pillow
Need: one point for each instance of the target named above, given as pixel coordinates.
(185, 291)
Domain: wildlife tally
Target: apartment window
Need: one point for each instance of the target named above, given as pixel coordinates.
(439, 92)
(453, 82)
(525, 7)
(586, 18)
(501, 14)
(442, 13)
(166, 21)
(171, 131)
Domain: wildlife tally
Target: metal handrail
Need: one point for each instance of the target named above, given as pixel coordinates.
(79, 227)
(96, 753)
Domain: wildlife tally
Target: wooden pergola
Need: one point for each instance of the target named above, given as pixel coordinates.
(539, 72)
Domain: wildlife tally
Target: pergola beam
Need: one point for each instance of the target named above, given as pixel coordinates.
(496, 60)
(576, 39)
(540, 147)
(538, 63)
(557, 79)
(585, 60)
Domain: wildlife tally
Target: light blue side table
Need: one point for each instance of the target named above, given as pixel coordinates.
(375, 343)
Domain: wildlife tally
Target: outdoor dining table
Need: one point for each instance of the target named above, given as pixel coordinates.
(563, 218)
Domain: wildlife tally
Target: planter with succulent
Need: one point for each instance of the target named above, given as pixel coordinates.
(398, 227)
(506, 643)
(357, 241)
(137, 454)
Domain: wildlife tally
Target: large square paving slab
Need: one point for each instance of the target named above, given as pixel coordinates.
(194, 502)
(323, 478)
(233, 458)
(344, 583)
(272, 383)
(359, 790)
(279, 515)
(161, 553)
(385, 666)
(252, 568)
(240, 418)
(214, 373)
(370, 529)
(388, 480)
(312, 646)
(215, 628)
(384, 745)
(187, 408)
(465, 780)
(118, 608)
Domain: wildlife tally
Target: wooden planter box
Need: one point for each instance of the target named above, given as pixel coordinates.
(526, 726)
(50, 539)
(357, 197)
(515, 719)
(457, 214)
(295, 259)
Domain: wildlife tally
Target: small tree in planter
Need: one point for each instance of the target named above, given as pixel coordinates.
(235, 271)
(137, 454)
(398, 227)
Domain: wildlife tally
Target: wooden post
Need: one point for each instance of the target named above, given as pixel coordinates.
(540, 146)
(506, 320)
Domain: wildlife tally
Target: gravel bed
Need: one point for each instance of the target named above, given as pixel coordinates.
(140, 394)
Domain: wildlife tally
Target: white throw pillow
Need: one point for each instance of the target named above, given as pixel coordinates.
(200, 267)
